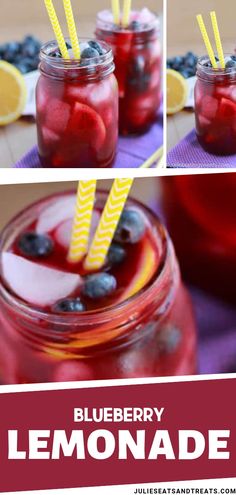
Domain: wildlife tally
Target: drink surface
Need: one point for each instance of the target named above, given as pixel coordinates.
(137, 55)
(77, 108)
(215, 107)
(56, 326)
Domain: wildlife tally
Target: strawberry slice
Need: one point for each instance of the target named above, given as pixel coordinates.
(87, 126)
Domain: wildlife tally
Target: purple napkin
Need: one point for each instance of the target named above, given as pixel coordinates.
(189, 153)
(132, 151)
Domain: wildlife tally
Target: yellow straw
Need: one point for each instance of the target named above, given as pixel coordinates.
(116, 10)
(82, 220)
(72, 28)
(207, 41)
(218, 40)
(150, 161)
(108, 224)
(126, 13)
(56, 28)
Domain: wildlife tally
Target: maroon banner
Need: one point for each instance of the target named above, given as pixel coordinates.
(117, 435)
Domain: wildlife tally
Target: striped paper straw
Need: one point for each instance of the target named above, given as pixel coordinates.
(206, 41)
(72, 28)
(115, 5)
(108, 224)
(82, 220)
(56, 28)
(126, 13)
(218, 40)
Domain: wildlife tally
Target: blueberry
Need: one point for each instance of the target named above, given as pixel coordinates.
(233, 57)
(99, 285)
(170, 62)
(116, 254)
(30, 46)
(69, 306)
(177, 62)
(131, 227)
(35, 245)
(89, 53)
(187, 73)
(11, 50)
(190, 60)
(135, 26)
(94, 44)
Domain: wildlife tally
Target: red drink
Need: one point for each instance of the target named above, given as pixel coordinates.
(201, 219)
(137, 56)
(59, 323)
(215, 107)
(77, 108)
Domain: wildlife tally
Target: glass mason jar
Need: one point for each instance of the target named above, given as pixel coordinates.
(215, 108)
(77, 110)
(137, 56)
(200, 212)
(150, 334)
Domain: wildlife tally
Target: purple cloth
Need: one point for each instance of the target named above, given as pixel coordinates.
(132, 151)
(189, 153)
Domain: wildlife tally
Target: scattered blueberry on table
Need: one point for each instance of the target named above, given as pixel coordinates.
(23, 55)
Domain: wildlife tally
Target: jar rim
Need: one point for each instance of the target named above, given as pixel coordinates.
(211, 71)
(72, 64)
(110, 312)
(145, 27)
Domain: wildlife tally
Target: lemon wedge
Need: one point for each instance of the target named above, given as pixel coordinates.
(13, 93)
(177, 91)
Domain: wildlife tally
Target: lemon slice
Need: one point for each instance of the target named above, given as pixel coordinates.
(177, 91)
(13, 93)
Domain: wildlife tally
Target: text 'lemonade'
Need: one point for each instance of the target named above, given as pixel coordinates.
(215, 106)
(132, 318)
(77, 107)
(137, 56)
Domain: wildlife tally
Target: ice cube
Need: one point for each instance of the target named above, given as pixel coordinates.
(35, 283)
(53, 215)
(203, 122)
(57, 115)
(64, 231)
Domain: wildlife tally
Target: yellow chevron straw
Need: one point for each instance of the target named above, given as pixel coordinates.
(82, 220)
(115, 5)
(108, 224)
(207, 41)
(72, 28)
(126, 13)
(56, 28)
(218, 40)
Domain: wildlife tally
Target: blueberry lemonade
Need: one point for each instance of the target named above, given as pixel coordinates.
(215, 106)
(137, 55)
(133, 318)
(77, 107)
